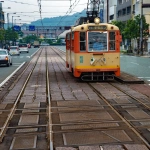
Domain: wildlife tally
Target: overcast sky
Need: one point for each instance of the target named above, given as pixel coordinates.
(28, 10)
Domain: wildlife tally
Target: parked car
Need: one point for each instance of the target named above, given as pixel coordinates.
(14, 50)
(23, 47)
(5, 57)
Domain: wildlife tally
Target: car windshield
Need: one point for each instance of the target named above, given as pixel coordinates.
(22, 45)
(3, 52)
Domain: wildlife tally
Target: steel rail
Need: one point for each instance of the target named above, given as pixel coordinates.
(50, 132)
(127, 122)
(122, 118)
(12, 111)
(131, 96)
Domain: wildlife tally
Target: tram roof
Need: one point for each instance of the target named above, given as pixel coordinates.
(84, 27)
(63, 35)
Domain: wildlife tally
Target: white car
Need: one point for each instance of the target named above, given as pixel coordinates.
(23, 47)
(14, 50)
(5, 57)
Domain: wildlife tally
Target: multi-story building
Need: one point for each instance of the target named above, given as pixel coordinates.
(1, 17)
(123, 10)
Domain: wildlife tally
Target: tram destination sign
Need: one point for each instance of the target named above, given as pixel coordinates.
(97, 27)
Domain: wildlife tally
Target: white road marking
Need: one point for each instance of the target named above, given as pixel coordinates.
(144, 77)
(134, 63)
(11, 75)
(35, 52)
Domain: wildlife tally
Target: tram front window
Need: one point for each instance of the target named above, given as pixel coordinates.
(97, 41)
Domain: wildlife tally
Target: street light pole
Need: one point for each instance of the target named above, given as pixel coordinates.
(8, 19)
(12, 20)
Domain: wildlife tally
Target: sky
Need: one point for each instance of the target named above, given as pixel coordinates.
(28, 10)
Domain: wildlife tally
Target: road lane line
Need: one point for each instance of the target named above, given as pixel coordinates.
(11, 75)
(35, 52)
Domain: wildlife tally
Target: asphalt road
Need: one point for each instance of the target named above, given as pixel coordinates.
(16, 62)
(137, 66)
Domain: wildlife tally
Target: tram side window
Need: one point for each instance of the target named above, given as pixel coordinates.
(82, 41)
(112, 40)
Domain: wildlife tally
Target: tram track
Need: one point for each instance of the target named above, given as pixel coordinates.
(26, 121)
(128, 122)
(56, 111)
(123, 118)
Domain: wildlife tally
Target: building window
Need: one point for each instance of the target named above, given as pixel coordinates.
(129, 10)
(120, 1)
(111, 17)
(124, 11)
(119, 13)
(133, 9)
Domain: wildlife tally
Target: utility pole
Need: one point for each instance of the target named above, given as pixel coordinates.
(8, 19)
(141, 29)
(141, 25)
(107, 11)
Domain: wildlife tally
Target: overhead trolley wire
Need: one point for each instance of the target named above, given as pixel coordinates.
(69, 11)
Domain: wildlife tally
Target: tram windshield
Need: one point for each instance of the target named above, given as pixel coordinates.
(97, 41)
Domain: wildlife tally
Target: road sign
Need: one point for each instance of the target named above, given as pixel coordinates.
(17, 28)
(101, 15)
(31, 28)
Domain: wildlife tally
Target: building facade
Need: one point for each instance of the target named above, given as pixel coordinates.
(1, 17)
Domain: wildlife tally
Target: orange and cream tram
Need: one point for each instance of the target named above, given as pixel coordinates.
(85, 60)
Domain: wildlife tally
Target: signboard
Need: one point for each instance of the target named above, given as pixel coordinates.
(101, 15)
(31, 28)
(16, 28)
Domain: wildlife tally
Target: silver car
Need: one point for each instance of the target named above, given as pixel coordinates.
(14, 50)
(23, 47)
(5, 57)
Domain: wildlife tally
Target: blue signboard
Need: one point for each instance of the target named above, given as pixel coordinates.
(31, 28)
(17, 28)
(101, 15)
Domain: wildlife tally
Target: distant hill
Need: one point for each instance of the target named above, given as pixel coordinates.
(67, 20)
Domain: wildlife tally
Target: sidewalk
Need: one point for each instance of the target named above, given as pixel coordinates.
(145, 54)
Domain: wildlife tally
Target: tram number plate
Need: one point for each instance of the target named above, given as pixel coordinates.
(98, 27)
(81, 59)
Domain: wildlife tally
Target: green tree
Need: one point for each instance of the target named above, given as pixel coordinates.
(2, 36)
(30, 38)
(11, 35)
(145, 26)
(120, 25)
(132, 29)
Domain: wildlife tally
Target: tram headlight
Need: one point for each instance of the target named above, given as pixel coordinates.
(97, 20)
